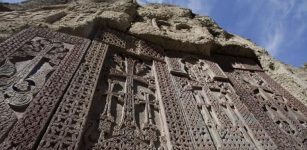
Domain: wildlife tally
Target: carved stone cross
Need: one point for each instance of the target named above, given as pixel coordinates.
(148, 127)
(25, 80)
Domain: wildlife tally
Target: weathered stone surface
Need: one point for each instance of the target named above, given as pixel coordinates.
(165, 79)
(172, 28)
(117, 20)
(129, 94)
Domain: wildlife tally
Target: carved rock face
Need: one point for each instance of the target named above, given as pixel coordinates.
(171, 27)
(57, 92)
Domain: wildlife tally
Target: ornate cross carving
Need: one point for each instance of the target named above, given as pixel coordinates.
(136, 92)
(20, 83)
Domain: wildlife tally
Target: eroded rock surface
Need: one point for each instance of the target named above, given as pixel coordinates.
(171, 27)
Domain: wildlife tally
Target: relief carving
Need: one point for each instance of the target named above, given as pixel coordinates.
(128, 94)
(177, 129)
(33, 64)
(76, 103)
(125, 109)
(34, 75)
(269, 106)
(120, 111)
(215, 103)
(132, 45)
(134, 125)
(288, 118)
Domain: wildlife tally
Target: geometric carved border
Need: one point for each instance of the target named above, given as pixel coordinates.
(63, 132)
(131, 45)
(178, 132)
(9, 46)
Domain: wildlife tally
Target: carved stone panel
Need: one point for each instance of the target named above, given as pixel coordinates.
(210, 103)
(125, 111)
(25, 72)
(112, 105)
(280, 114)
(36, 66)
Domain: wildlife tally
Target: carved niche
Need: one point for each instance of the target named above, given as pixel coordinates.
(31, 64)
(280, 114)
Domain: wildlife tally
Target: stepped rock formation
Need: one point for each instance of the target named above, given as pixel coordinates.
(115, 75)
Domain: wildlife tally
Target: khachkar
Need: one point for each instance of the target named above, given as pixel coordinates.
(62, 92)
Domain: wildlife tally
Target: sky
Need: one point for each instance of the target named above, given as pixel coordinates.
(280, 26)
(12, 1)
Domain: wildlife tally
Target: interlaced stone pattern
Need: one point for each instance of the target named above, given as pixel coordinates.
(59, 91)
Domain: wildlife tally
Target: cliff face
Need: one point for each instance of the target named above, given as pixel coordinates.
(171, 27)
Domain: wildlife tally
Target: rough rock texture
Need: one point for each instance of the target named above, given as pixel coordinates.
(170, 27)
(302, 72)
